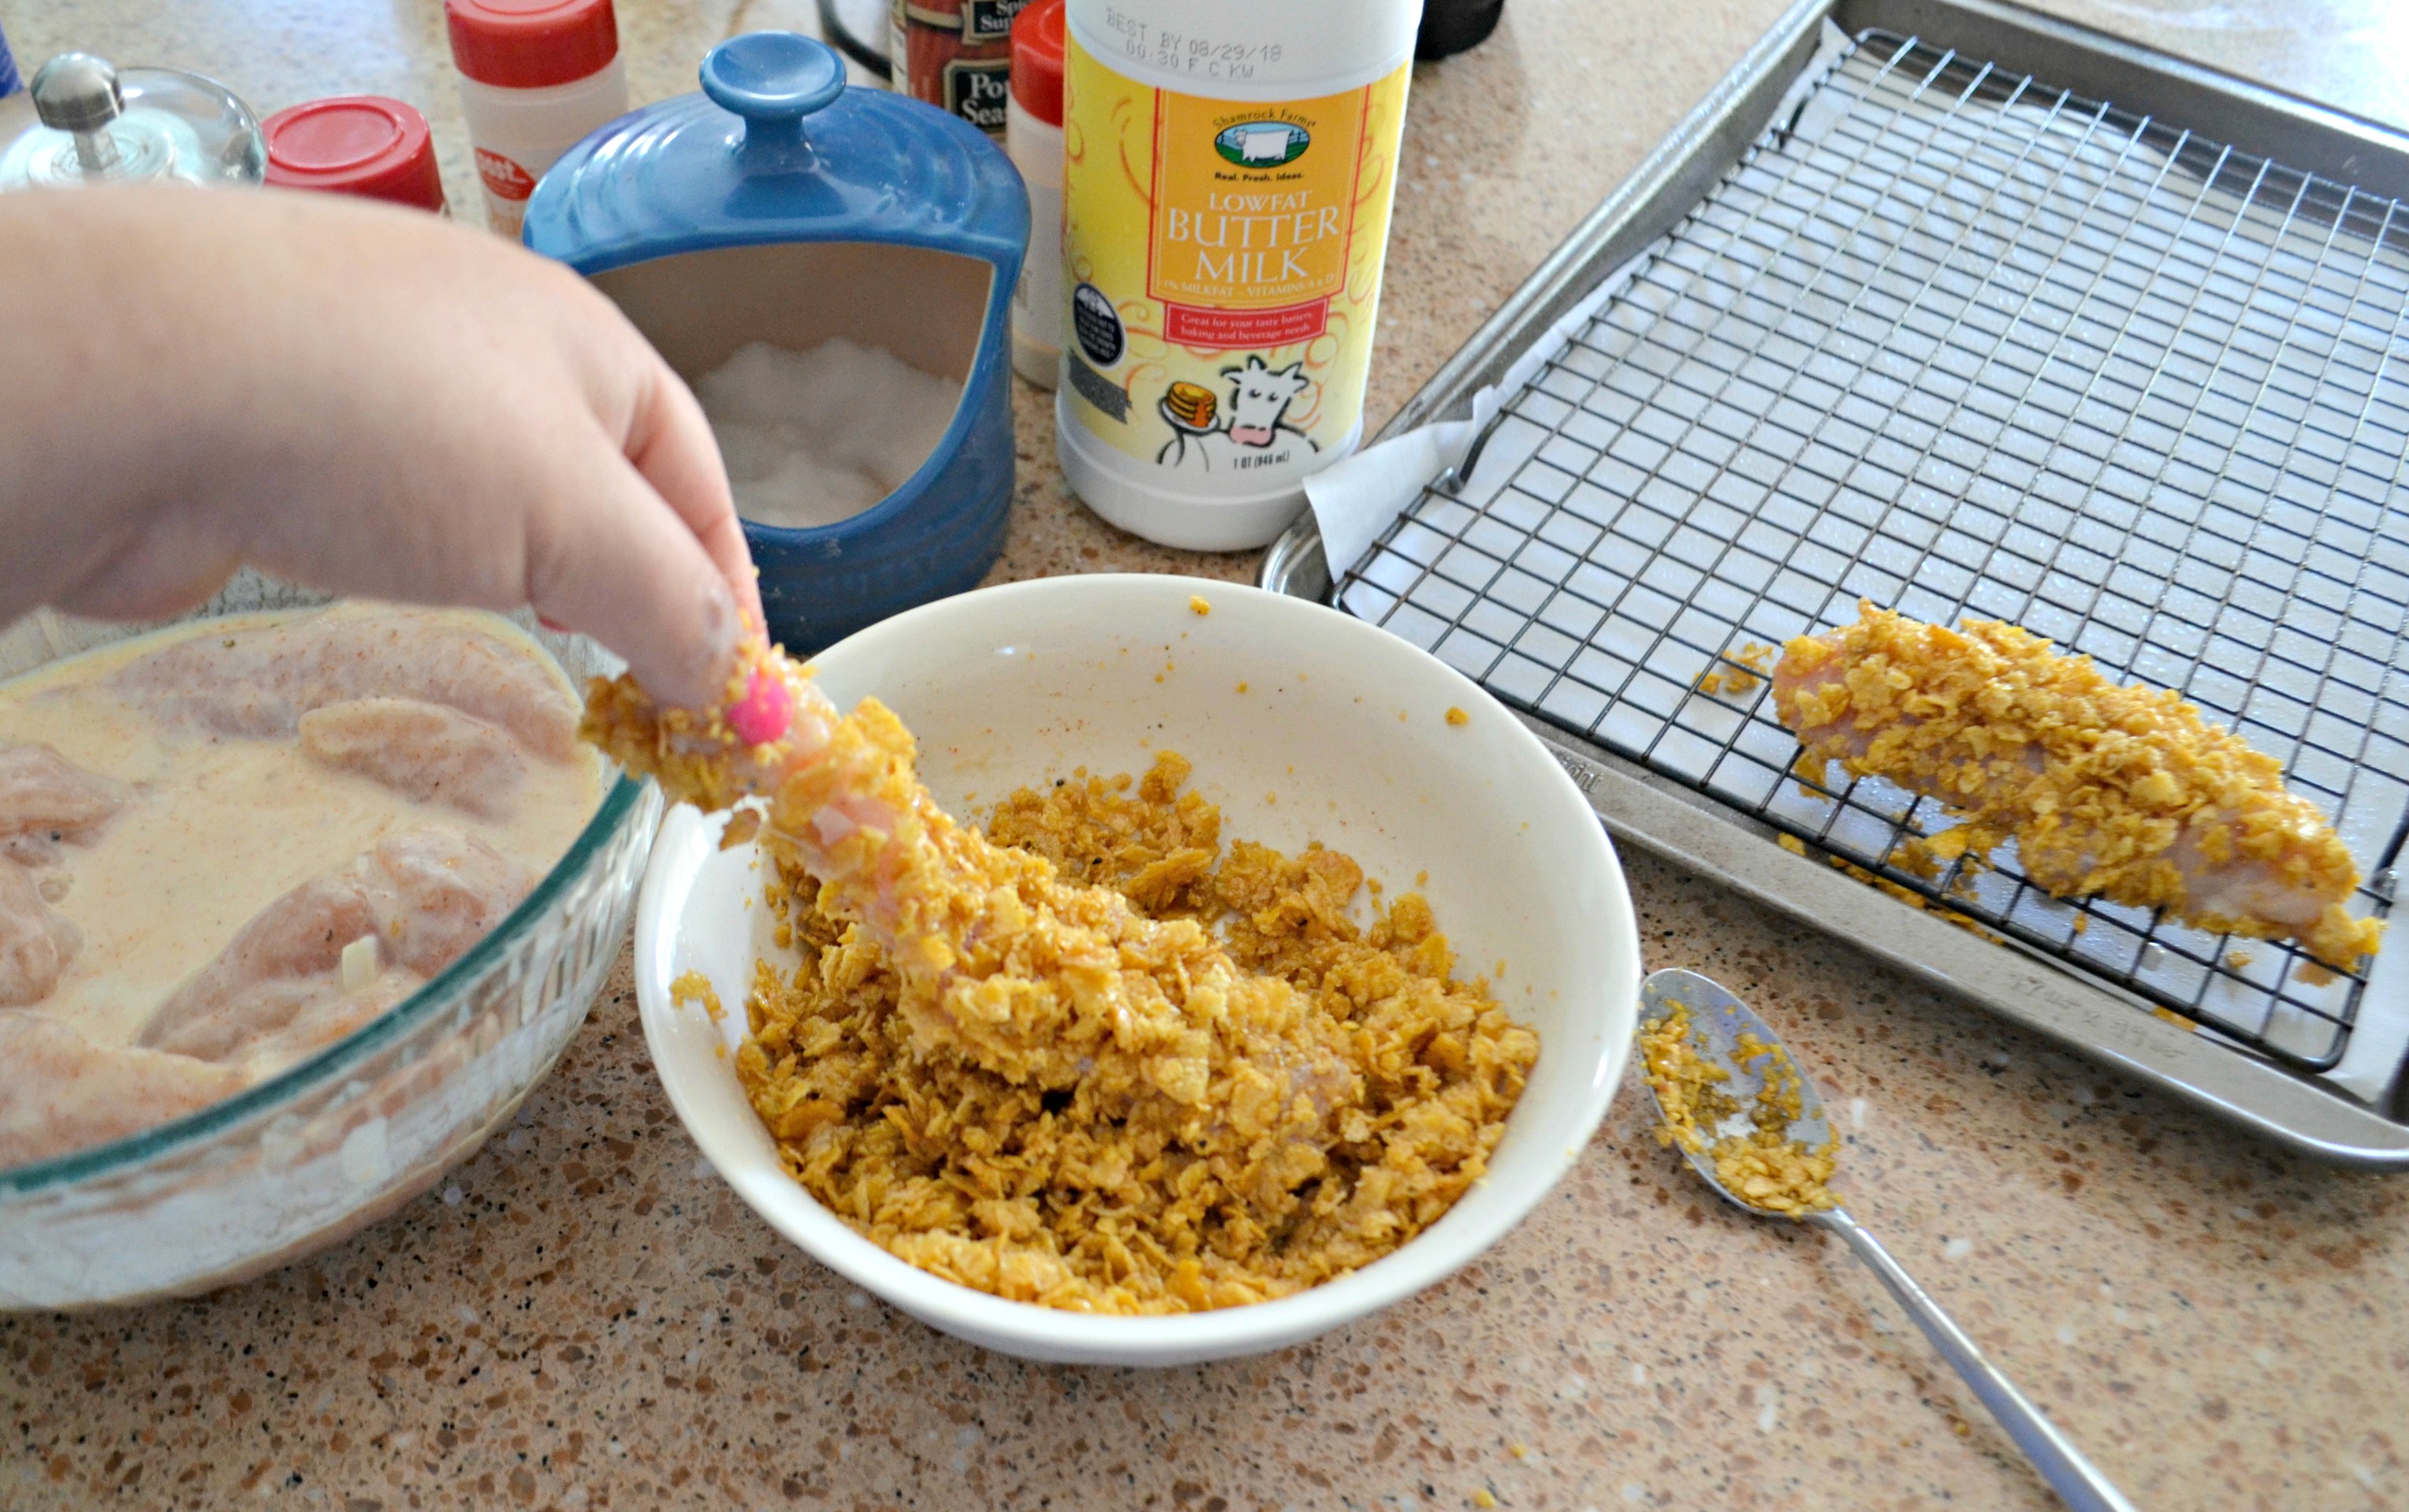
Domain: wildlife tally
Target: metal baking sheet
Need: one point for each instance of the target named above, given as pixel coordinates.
(1950, 335)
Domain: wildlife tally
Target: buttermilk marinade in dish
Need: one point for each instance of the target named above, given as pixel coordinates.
(1091, 1057)
(226, 844)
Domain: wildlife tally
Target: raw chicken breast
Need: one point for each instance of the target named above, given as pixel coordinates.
(424, 897)
(60, 1091)
(259, 681)
(45, 800)
(424, 751)
(36, 944)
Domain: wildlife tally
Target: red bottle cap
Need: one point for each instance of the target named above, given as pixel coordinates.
(357, 144)
(531, 44)
(1037, 61)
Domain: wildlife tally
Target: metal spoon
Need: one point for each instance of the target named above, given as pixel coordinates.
(1717, 1019)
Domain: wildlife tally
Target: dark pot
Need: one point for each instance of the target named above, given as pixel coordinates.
(1453, 26)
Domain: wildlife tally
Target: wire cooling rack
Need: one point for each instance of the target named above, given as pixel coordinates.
(1961, 343)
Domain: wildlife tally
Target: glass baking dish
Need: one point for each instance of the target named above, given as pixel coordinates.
(346, 1137)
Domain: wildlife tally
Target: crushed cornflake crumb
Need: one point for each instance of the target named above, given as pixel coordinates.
(742, 826)
(2121, 792)
(1765, 1168)
(1744, 672)
(1904, 894)
(1457, 716)
(1085, 1189)
(695, 987)
(1198, 604)
(1912, 899)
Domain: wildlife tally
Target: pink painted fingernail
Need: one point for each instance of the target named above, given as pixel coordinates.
(765, 710)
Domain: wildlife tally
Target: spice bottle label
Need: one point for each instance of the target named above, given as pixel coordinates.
(1223, 259)
(955, 54)
(503, 178)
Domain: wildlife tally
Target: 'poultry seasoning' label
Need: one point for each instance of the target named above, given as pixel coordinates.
(956, 55)
(1223, 262)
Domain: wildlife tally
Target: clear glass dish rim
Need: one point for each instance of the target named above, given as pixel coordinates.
(437, 994)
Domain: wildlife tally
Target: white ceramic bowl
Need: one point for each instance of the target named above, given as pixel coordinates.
(1347, 725)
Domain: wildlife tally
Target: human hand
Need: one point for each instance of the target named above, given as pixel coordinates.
(361, 398)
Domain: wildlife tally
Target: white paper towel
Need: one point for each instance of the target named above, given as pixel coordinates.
(1355, 499)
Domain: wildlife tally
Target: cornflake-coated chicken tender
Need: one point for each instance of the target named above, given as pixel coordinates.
(261, 681)
(59, 1091)
(424, 897)
(2119, 792)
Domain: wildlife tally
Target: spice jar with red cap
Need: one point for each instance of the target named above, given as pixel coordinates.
(536, 77)
(356, 144)
(1033, 138)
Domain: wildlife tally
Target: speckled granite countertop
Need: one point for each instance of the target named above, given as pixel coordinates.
(585, 1317)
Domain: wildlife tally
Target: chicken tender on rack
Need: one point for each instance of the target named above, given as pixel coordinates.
(2119, 792)
(1000, 962)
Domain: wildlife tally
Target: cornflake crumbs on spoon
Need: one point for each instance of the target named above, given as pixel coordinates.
(1458, 717)
(1766, 1168)
(1200, 604)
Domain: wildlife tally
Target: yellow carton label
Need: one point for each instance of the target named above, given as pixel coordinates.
(1223, 262)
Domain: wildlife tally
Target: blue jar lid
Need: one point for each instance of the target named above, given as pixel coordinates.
(777, 148)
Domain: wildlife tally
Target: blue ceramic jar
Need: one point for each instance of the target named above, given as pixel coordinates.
(780, 206)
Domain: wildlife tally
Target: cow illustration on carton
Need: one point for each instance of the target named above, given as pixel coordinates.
(1252, 432)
